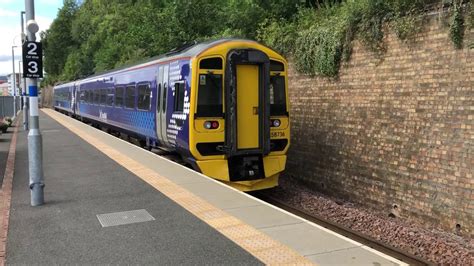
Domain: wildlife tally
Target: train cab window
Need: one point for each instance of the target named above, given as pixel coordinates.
(103, 96)
(179, 96)
(209, 96)
(110, 97)
(211, 63)
(119, 96)
(277, 95)
(130, 94)
(276, 66)
(144, 94)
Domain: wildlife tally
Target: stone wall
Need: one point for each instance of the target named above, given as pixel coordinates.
(396, 129)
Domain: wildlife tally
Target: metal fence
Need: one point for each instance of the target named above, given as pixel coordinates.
(6, 105)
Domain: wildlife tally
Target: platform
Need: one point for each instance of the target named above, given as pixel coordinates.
(109, 201)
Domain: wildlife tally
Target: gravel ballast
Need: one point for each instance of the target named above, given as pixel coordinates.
(431, 244)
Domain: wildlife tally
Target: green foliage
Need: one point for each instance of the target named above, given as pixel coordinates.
(456, 30)
(406, 26)
(58, 42)
(278, 34)
(100, 35)
(320, 38)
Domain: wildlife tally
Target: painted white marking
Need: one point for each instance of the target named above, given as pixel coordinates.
(33, 106)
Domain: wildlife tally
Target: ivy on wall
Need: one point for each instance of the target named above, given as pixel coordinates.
(319, 39)
(456, 30)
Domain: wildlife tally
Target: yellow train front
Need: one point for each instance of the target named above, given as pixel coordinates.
(239, 120)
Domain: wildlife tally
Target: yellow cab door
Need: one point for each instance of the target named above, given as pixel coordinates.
(247, 106)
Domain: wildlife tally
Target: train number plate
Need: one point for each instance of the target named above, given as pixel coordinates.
(277, 134)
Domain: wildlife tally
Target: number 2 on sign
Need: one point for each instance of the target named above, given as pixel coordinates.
(32, 48)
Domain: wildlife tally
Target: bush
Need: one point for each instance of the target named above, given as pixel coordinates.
(8, 121)
(3, 126)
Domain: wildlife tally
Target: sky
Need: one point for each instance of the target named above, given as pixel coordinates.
(10, 27)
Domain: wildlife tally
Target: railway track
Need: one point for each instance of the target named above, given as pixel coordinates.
(363, 239)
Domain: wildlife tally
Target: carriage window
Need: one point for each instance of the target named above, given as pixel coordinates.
(103, 96)
(144, 92)
(130, 97)
(119, 96)
(110, 97)
(277, 95)
(210, 95)
(82, 96)
(179, 97)
(96, 96)
(211, 63)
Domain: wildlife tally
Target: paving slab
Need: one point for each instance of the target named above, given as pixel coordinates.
(308, 240)
(352, 256)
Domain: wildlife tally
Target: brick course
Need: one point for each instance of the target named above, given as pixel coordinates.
(396, 129)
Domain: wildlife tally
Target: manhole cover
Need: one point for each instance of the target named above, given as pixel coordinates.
(127, 217)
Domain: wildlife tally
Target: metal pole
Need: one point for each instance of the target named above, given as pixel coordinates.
(20, 86)
(14, 82)
(25, 103)
(35, 142)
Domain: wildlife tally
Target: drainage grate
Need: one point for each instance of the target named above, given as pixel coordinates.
(128, 217)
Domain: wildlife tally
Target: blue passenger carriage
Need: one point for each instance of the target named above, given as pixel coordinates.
(222, 105)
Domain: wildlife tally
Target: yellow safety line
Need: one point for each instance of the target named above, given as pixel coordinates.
(263, 247)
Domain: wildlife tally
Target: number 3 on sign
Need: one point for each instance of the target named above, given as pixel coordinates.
(33, 67)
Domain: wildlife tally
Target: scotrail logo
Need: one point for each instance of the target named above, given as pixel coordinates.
(102, 115)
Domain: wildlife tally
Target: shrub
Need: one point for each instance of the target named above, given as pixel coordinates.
(8, 121)
(3, 126)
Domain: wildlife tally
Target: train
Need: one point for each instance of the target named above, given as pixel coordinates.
(222, 105)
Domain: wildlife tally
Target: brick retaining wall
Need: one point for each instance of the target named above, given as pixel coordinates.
(396, 130)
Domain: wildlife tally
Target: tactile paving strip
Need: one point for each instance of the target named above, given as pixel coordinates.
(127, 217)
(263, 247)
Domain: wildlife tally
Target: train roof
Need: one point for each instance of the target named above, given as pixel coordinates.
(187, 50)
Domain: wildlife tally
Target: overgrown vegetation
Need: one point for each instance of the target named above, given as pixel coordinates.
(456, 31)
(98, 35)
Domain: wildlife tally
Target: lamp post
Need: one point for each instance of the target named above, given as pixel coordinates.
(20, 85)
(35, 140)
(25, 103)
(14, 81)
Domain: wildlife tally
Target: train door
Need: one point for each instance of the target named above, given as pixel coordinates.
(74, 98)
(247, 103)
(162, 104)
(247, 107)
(159, 91)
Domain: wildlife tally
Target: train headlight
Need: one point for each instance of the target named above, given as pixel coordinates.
(211, 125)
(276, 123)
